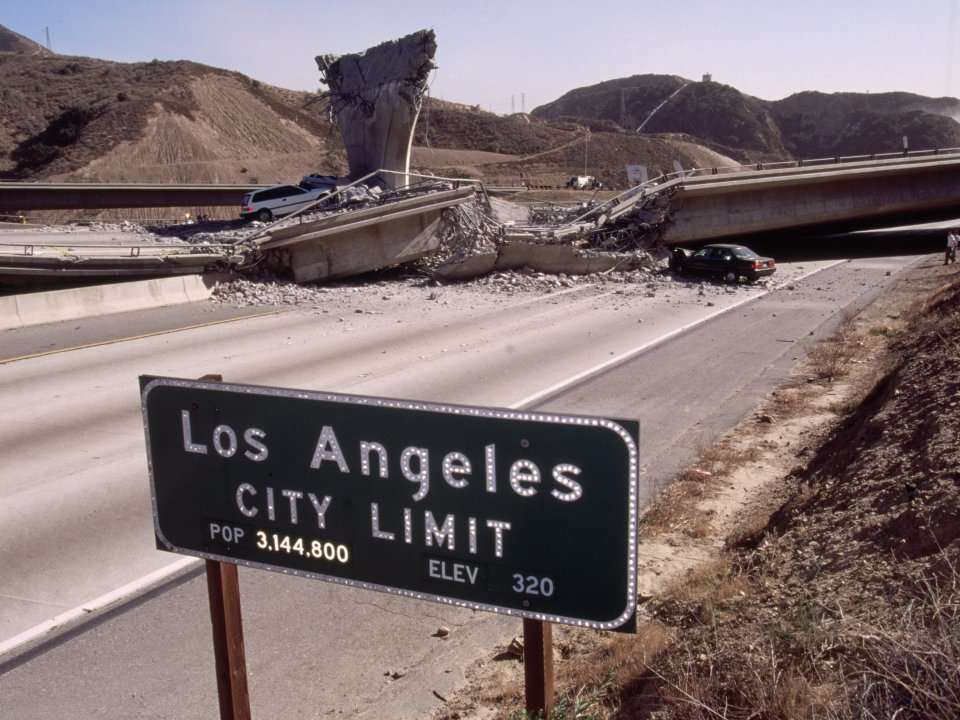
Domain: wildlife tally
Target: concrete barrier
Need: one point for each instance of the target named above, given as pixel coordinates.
(28, 309)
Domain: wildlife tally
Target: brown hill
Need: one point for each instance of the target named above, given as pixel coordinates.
(804, 125)
(11, 42)
(74, 118)
(818, 124)
(723, 117)
(625, 101)
(467, 141)
(82, 118)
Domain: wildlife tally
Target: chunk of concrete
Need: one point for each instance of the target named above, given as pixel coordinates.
(376, 97)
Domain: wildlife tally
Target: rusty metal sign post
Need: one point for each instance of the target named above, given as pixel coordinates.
(528, 514)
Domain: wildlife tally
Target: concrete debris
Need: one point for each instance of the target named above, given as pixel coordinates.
(527, 280)
(100, 227)
(361, 194)
(465, 231)
(474, 243)
(553, 214)
(252, 293)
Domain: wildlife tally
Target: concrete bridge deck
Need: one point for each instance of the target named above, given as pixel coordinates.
(832, 198)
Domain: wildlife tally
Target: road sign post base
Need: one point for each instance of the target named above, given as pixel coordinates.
(538, 667)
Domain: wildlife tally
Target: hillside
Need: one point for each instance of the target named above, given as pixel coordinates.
(78, 118)
(625, 101)
(815, 124)
(16, 43)
(81, 118)
(518, 148)
(808, 124)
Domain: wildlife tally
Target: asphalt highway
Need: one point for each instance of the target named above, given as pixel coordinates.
(75, 514)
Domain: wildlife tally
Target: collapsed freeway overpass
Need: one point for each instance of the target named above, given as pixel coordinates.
(832, 195)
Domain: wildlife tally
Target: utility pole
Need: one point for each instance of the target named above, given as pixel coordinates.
(523, 103)
(586, 148)
(48, 38)
(513, 105)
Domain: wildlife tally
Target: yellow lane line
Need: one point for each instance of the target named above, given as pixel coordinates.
(5, 361)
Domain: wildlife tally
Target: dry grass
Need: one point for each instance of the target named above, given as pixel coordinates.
(598, 684)
(830, 359)
(676, 507)
(814, 662)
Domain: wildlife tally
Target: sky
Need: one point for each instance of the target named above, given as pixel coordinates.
(494, 51)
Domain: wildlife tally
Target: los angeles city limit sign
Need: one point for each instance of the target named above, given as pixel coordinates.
(528, 514)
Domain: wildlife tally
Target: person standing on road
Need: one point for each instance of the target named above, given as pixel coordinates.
(952, 241)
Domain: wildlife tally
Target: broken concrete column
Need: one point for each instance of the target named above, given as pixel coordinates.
(376, 97)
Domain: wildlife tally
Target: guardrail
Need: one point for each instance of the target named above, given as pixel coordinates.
(134, 250)
(815, 162)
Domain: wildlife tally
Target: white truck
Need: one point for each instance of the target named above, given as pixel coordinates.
(582, 182)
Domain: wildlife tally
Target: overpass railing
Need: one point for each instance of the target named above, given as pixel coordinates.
(120, 250)
(359, 181)
(813, 162)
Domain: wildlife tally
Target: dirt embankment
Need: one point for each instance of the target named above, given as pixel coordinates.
(82, 118)
(235, 132)
(11, 42)
(846, 604)
(810, 560)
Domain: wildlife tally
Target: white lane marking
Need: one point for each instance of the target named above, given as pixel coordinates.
(158, 577)
(633, 352)
(115, 597)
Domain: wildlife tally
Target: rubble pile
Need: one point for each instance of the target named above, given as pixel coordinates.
(465, 230)
(250, 293)
(638, 229)
(533, 281)
(125, 226)
(553, 214)
(647, 282)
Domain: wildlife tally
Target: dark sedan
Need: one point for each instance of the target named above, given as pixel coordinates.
(731, 262)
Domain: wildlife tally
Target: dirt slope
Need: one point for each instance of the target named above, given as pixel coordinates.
(11, 42)
(70, 117)
(847, 604)
(230, 135)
